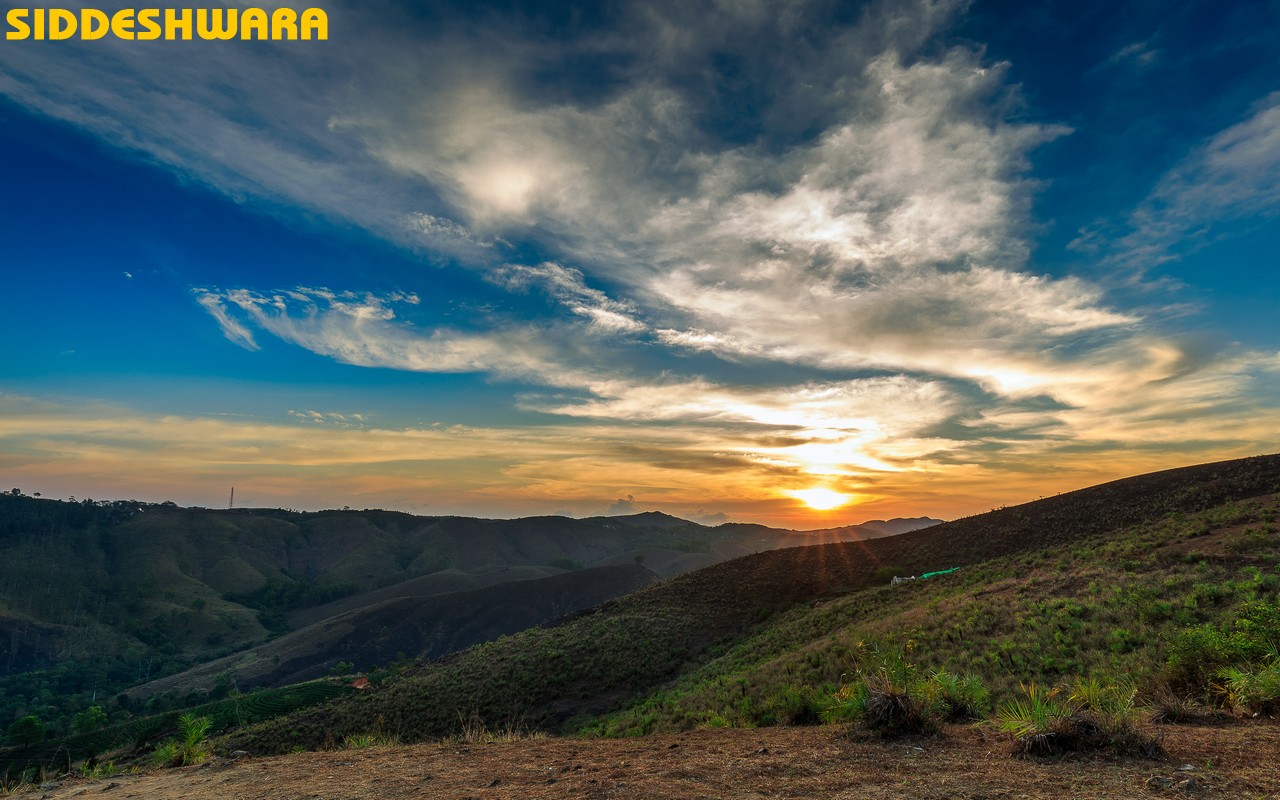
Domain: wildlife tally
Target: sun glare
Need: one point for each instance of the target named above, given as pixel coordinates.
(820, 499)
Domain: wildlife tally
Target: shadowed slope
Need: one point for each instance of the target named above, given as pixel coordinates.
(551, 677)
(410, 627)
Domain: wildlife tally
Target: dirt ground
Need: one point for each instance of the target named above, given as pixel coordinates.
(1231, 761)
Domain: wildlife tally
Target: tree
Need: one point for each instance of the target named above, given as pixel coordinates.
(26, 731)
(89, 720)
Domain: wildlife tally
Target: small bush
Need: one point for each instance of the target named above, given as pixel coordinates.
(1094, 716)
(793, 705)
(167, 754)
(1253, 690)
(359, 741)
(886, 699)
(192, 746)
(1039, 722)
(98, 770)
(956, 698)
(1169, 707)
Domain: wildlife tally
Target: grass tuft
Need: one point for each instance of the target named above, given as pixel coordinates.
(1095, 715)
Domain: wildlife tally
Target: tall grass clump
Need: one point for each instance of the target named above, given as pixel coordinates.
(360, 741)
(888, 697)
(956, 698)
(475, 731)
(191, 746)
(1253, 690)
(1093, 715)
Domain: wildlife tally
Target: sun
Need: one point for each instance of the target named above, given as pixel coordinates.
(820, 499)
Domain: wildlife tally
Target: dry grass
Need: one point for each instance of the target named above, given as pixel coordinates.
(1228, 762)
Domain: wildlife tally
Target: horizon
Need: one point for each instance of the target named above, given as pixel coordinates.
(788, 263)
(37, 495)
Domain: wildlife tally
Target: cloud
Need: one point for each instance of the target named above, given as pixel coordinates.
(778, 244)
(1139, 53)
(568, 286)
(1234, 175)
(622, 506)
(231, 328)
(708, 518)
(331, 418)
(363, 329)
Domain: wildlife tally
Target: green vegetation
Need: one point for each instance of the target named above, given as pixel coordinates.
(1165, 588)
(1255, 690)
(1096, 715)
(359, 741)
(27, 731)
(887, 697)
(191, 746)
(136, 733)
(1045, 617)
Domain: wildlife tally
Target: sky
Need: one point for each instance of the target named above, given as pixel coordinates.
(731, 260)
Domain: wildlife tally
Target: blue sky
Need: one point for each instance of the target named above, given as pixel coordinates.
(502, 259)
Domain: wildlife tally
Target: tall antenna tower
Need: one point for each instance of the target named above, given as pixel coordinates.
(231, 503)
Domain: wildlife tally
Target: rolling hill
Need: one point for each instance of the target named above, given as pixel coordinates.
(734, 637)
(1162, 578)
(97, 597)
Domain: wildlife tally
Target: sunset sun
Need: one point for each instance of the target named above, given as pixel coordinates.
(820, 499)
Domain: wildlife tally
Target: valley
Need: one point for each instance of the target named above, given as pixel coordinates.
(1149, 590)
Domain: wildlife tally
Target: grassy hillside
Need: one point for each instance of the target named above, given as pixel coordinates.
(401, 628)
(1149, 604)
(96, 597)
(1098, 577)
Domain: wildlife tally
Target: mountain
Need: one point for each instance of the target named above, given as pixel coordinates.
(1066, 584)
(97, 597)
(409, 626)
(1164, 579)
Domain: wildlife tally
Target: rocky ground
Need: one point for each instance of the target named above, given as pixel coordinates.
(1239, 760)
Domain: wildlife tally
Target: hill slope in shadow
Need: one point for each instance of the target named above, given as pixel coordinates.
(559, 676)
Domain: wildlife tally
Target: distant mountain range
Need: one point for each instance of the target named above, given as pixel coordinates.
(143, 591)
(149, 610)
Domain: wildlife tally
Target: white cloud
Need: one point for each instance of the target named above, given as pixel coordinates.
(863, 231)
(1140, 53)
(568, 286)
(1234, 175)
(231, 328)
(362, 329)
(329, 418)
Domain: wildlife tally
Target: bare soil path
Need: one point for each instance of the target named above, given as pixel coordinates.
(1231, 761)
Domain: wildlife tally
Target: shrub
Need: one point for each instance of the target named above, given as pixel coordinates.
(1255, 690)
(167, 754)
(955, 698)
(1199, 655)
(1169, 707)
(792, 705)
(1039, 722)
(1094, 716)
(192, 746)
(886, 699)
